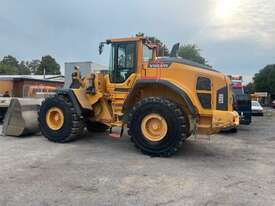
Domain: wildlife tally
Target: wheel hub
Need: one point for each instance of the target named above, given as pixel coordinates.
(154, 127)
(55, 118)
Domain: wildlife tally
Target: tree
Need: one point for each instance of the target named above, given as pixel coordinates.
(192, 52)
(264, 80)
(23, 68)
(9, 65)
(249, 88)
(7, 70)
(33, 65)
(10, 61)
(48, 64)
(162, 50)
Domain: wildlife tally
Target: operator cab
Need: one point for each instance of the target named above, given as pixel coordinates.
(126, 55)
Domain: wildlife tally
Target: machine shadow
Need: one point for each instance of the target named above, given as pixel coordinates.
(198, 149)
(190, 148)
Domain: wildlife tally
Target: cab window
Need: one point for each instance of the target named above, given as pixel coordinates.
(204, 92)
(122, 62)
(203, 83)
(147, 53)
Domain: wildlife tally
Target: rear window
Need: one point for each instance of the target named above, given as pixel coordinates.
(203, 83)
(205, 100)
(204, 92)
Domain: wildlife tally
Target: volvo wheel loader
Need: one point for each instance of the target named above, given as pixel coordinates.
(162, 100)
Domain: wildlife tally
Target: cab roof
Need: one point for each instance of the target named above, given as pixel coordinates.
(133, 39)
(127, 39)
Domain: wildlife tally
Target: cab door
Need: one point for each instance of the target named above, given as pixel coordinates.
(122, 73)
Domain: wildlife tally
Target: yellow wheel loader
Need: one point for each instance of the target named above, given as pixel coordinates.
(162, 100)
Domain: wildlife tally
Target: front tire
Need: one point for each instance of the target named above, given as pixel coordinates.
(157, 126)
(59, 121)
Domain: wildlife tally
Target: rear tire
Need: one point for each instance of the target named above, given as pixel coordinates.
(73, 126)
(96, 126)
(175, 125)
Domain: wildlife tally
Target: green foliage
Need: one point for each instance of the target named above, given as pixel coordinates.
(23, 68)
(48, 64)
(33, 65)
(7, 70)
(10, 66)
(162, 50)
(249, 88)
(192, 52)
(10, 61)
(264, 80)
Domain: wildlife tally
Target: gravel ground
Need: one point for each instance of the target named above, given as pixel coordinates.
(230, 169)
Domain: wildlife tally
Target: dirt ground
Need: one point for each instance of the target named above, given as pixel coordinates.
(230, 169)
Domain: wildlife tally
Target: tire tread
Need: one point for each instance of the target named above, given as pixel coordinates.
(77, 124)
(180, 116)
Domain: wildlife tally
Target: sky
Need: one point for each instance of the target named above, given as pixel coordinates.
(235, 36)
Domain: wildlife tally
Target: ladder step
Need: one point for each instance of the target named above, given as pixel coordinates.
(115, 135)
(202, 138)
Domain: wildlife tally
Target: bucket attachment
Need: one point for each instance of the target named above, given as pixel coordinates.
(21, 118)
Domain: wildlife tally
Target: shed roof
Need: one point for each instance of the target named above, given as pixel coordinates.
(46, 78)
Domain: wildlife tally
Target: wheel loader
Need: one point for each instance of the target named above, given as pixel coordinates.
(161, 100)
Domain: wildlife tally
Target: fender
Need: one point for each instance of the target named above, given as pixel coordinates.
(70, 94)
(144, 82)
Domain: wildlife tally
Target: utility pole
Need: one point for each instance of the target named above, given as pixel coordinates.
(44, 73)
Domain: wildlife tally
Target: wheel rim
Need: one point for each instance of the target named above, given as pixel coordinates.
(154, 127)
(55, 118)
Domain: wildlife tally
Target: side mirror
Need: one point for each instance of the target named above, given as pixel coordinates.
(100, 48)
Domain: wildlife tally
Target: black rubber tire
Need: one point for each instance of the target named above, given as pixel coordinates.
(96, 126)
(73, 126)
(176, 122)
